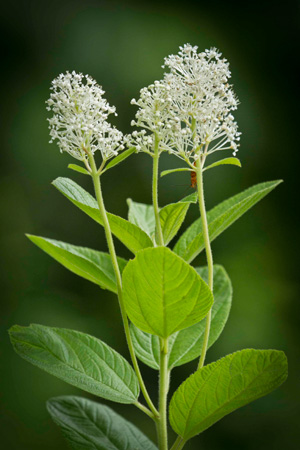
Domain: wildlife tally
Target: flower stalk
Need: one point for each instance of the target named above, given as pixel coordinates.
(159, 234)
(164, 377)
(209, 257)
(97, 186)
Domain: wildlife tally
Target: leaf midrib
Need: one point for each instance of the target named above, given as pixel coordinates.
(226, 403)
(69, 366)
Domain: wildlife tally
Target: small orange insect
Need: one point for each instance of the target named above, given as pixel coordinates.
(194, 178)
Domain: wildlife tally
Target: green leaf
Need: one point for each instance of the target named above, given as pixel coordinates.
(232, 161)
(224, 386)
(88, 425)
(171, 218)
(191, 243)
(146, 346)
(142, 215)
(185, 345)
(90, 264)
(79, 169)
(192, 198)
(162, 293)
(121, 157)
(181, 169)
(129, 234)
(79, 359)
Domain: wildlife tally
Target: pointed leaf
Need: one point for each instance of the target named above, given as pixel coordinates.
(142, 215)
(88, 425)
(232, 161)
(162, 293)
(171, 218)
(121, 157)
(192, 198)
(185, 345)
(191, 243)
(129, 234)
(79, 169)
(90, 264)
(79, 359)
(181, 169)
(224, 386)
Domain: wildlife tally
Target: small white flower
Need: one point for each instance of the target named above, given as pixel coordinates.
(190, 108)
(203, 101)
(155, 115)
(79, 120)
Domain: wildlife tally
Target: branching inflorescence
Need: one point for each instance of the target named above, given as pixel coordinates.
(190, 109)
(80, 116)
(172, 312)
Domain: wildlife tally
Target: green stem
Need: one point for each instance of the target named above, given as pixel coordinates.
(146, 411)
(178, 444)
(208, 254)
(159, 234)
(97, 185)
(163, 392)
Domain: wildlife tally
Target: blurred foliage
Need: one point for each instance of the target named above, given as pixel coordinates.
(122, 45)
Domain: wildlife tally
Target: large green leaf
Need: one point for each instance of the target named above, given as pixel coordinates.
(185, 345)
(171, 218)
(88, 425)
(224, 386)
(164, 294)
(129, 234)
(191, 243)
(90, 264)
(142, 215)
(78, 359)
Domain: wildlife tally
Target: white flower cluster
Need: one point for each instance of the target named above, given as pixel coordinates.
(191, 107)
(79, 120)
(154, 114)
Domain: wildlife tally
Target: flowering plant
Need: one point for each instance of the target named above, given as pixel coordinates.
(172, 312)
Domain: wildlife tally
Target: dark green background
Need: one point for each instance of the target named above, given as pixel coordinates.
(122, 45)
